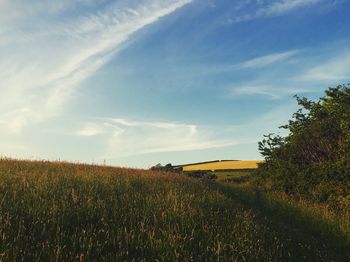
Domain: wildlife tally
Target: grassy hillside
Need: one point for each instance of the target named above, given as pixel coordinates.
(224, 165)
(235, 176)
(74, 212)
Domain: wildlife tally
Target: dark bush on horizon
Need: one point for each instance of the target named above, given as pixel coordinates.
(167, 168)
(313, 160)
(202, 174)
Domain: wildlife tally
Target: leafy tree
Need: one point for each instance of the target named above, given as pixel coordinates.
(315, 152)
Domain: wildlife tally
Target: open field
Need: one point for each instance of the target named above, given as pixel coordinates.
(72, 212)
(224, 165)
(232, 176)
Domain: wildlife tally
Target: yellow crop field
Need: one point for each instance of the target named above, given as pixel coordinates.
(222, 165)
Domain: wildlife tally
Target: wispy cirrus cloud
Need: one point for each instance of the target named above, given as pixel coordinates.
(188, 72)
(333, 69)
(269, 59)
(281, 7)
(89, 130)
(46, 57)
(128, 137)
(271, 91)
(275, 8)
(309, 74)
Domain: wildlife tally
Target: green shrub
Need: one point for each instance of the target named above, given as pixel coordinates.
(313, 160)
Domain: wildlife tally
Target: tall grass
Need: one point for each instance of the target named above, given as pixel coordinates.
(238, 176)
(74, 212)
(313, 220)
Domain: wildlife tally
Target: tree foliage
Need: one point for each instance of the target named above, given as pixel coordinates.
(314, 158)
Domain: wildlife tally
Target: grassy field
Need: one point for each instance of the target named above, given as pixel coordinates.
(74, 212)
(224, 165)
(237, 176)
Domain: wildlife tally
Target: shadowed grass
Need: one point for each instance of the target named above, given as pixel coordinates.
(304, 220)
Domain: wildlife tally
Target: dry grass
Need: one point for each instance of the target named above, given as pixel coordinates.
(224, 165)
(74, 212)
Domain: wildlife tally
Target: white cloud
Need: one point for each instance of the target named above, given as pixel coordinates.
(48, 51)
(271, 91)
(269, 59)
(335, 69)
(276, 8)
(284, 6)
(90, 129)
(127, 137)
(188, 72)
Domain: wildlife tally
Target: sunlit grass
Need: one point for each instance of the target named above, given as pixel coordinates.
(232, 176)
(62, 211)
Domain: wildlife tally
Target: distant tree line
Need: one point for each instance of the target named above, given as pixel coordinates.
(313, 160)
(167, 168)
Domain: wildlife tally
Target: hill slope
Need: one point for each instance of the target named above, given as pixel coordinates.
(62, 211)
(223, 165)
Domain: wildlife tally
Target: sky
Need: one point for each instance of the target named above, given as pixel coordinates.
(139, 82)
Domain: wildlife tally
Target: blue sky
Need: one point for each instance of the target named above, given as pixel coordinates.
(138, 82)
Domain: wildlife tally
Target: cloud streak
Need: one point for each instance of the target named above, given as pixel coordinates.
(269, 59)
(271, 91)
(49, 58)
(333, 69)
(276, 8)
(129, 138)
